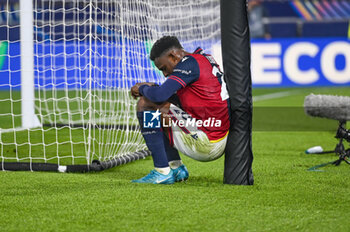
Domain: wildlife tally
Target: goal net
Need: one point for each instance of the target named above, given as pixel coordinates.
(66, 69)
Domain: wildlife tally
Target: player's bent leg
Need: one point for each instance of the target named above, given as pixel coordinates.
(153, 137)
(162, 153)
(179, 169)
(145, 104)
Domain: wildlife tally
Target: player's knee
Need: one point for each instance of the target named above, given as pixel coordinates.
(140, 104)
(144, 104)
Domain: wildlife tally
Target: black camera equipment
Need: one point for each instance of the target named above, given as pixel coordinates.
(343, 133)
(344, 154)
(331, 107)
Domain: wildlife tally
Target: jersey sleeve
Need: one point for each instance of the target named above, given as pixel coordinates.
(160, 93)
(186, 71)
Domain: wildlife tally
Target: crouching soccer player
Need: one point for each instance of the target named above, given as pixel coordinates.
(193, 105)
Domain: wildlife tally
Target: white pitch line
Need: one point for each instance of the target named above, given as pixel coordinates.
(12, 130)
(275, 95)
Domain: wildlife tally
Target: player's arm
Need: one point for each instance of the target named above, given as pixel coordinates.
(135, 89)
(160, 93)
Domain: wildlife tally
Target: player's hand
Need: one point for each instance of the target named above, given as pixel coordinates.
(135, 89)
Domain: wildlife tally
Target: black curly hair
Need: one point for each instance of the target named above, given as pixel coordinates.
(164, 44)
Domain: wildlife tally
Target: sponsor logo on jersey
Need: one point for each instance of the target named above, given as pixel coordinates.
(184, 59)
(182, 71)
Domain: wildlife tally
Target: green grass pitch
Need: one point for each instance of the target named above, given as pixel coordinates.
(285, 196)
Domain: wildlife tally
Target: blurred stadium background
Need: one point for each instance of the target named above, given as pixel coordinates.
(316, 30)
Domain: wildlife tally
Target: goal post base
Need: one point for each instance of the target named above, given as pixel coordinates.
(95, 166)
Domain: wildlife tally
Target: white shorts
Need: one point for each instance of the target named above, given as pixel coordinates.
(190, 140)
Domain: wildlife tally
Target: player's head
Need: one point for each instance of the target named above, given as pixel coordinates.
(166, 53)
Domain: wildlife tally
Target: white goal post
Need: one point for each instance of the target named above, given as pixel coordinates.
(66, 69)
(29, 119)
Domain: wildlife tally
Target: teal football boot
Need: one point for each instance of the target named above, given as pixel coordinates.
(155, 177)
(180, 173)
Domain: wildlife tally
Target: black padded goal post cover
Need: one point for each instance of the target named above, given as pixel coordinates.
(235, 44)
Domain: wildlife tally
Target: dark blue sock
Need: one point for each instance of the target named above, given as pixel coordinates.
(171, 152)
(155, 143)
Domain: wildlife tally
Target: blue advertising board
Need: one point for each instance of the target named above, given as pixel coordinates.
(299, 62)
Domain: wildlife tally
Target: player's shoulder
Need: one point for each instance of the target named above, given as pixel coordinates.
(188, 62)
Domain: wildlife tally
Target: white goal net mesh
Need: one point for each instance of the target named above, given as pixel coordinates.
(87, 55)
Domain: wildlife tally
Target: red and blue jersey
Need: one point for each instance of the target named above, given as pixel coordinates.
(197, 82)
